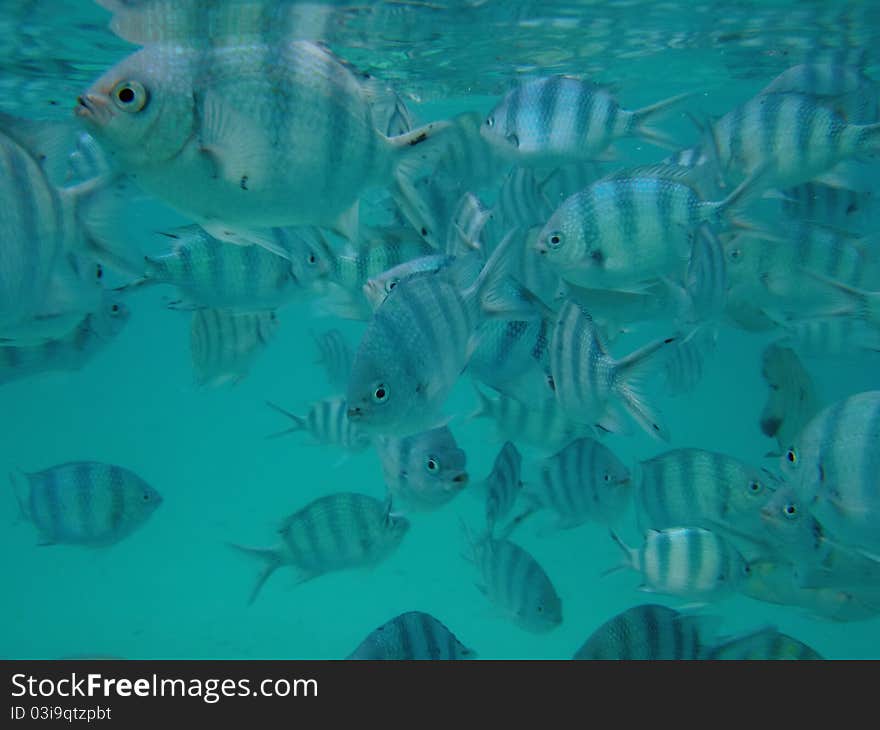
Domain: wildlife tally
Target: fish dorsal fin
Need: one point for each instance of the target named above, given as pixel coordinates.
(673, 173)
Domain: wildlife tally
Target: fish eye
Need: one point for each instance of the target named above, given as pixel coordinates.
(312, 259)
(391, 284)
(99, 271)
(490, 122)
(432, 465)
(607, 477)
(130, 96)
(146, 496)
(791, 457)
(380, 394)
(735, 254)
(114, 308)
(790, 511)
(540, 609)
(555, 239)
(755, 486)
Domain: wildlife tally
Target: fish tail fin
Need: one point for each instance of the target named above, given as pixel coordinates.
(642, 118)
(19, 489)
(864, 304)
(628, 372)
(299, 423)
(484, 407)
(629, 559)
(272, 559)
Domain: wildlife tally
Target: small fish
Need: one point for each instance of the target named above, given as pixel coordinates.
(328, 424)
(412, 636)
(259, 142)
(632, 227)
(503, 485)
(466, 228)
(852, 94)
(701, 489)
(514, 582)
(69, 353)
(508, 350)
(830, 205)
(414, 349)
(776, 581)
(835, 466)
(648, 632)
(211, 273)
(425, 470)
(521, 202)
(686, 361)
(335, 356)
(339, 531)
(792, 137)
(792, 400)
(767, 644)
(689, 562)
(706, 281)
(379, 287)
(555, 120)
(85, 503)
(584, 482)
(224, 343)
(588, 381)
(542, 425)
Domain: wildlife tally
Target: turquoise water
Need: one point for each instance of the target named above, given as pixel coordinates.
(173, 589)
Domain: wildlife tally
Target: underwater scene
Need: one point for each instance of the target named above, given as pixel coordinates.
(475, 329)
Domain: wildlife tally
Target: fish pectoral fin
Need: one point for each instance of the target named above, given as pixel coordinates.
(237, 149)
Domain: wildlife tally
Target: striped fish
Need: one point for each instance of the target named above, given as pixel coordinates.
(224, 343)
(424, 471)
(339, 531)
(792, 137)
(631, 227)
(834, 336)
(508, 350)
(556, 120)
(68, 353)
(521, 202)
(466, 229)
(701, 489)
(544, 427)
(412, 636)
(211, 273)
(836, 468)
(258, 142)
(584, 482)
(415, 348)
(514, 582)
(588, 380)
(502, 485)
(687, 359)
(335, 357)
(688, 562)
(768, 644)
(776, 582)
(85, 502)
(706, 280)
(791, 401)
(649, 632)
(327, 423)
(379, 287)
(830, 205)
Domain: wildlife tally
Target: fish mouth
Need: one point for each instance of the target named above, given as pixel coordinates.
(93, 109)
(461, 479)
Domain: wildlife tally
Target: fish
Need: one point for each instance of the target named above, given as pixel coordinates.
(588, 381)
(424, 471)
(851, 92)
(256, 142)
(706, 281)
(210, 273)
(86, 503)
(339, 531)
(508, 350)
(701, 488)
(687, 359)
(503, 484)
(767, 644)
(69, 353)
(412, 636)
(378, 287)
(327, 423)
(830, 205)
(542, 425)
(515, 584)
(633, 226)
(794, 138)
(583, 482)
(776, 581)
(521, 201)
(835, 465)
(647, 632)
(224, 343)
(791, 400)
(688, 562)
(558, 119)
(414, 349)
(469, 219)
(335, 357)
